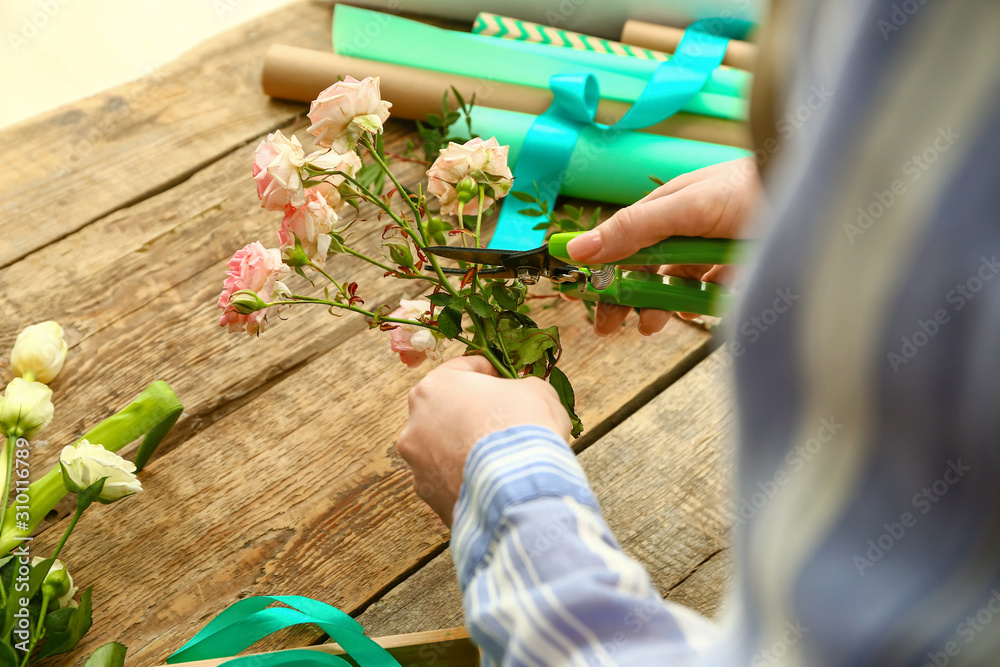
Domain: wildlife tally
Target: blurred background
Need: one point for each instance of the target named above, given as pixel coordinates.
(56, 51)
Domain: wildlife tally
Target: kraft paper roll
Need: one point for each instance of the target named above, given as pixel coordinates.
(664, 38)
(294, 73)
(602, 18)
(365, 34)
(608, 166)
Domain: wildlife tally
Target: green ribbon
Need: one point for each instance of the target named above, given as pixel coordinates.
(550, 142)
(252, 619)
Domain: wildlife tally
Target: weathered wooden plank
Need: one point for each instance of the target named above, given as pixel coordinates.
(80, 162)
(300, 491)
(661, 477)
(135, 293)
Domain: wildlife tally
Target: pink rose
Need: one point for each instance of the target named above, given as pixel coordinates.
(312, 223)
(277, 169)
(345, 110)
(258, 270)
(483, 161)
(328, 160)
(414, 344)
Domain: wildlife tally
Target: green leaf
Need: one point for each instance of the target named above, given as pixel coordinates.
(109, 655)
(523, 196)
(542, 225)
(505, 297)
(567, 396)
(450, 321)
(58, 620)
(441, 299)
(78, 626)
(458, 96)
(657, 180)
(8, 658)
(527, 345)
(481, 306)
(531, 212)
(434, 120)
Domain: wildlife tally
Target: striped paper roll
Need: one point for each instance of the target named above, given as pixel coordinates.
(494, 25)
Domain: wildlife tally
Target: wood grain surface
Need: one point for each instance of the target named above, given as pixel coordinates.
(281, 476)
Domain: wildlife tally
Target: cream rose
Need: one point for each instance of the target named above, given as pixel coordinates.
(311, 223)
(328, 160)
(39, 352)
(345, 111)
(25, 408)
(277, 170)
(60, 580)
(485, 162)
(414, 344)
(85, 463)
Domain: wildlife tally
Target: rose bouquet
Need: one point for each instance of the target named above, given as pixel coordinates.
(349, 167)
(40, 612)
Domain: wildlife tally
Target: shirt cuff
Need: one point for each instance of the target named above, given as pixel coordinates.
(506, 469)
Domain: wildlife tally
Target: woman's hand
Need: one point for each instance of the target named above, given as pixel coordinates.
(714, 202)
(456, 405)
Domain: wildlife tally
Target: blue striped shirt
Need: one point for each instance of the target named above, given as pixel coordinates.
(871, 397)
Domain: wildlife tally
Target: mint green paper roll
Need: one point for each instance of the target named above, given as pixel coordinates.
(608, 166)
(372, 35)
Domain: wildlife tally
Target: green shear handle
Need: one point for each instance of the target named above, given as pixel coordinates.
(639, 289)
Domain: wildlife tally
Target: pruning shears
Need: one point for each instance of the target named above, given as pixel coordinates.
(610, 283)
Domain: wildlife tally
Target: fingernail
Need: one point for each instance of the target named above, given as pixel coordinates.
(585, 246)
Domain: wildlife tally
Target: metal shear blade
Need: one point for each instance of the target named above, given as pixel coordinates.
(526, 265)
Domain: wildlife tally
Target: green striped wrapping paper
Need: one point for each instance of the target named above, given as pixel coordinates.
(494, 25)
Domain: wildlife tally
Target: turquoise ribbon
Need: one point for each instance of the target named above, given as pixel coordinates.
(252, 619)
(551, 139)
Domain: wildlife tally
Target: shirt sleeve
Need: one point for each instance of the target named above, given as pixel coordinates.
(543, 580)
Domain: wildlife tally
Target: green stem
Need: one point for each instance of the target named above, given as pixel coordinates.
(399, 186)
(386, 267)
(327, 275)
(69, 529)
(41, 617)
(479, 214)
(501, 367)
(8, 462)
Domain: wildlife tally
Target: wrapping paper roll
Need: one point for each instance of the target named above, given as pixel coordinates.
(300, 74)
(664, 38)
(365, 34)
(609, 166)
(494, 25)
(602, 19)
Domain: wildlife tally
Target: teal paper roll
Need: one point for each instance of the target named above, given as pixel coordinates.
(376, 36)
(608, 165)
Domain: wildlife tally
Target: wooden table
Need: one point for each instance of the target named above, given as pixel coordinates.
(119, 213)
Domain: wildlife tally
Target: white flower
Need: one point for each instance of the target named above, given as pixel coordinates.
(39, 352)
(55, 578)
(25, 408)
(345, 111)
(85, 463)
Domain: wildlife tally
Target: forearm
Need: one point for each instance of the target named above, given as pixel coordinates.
(543, 580)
